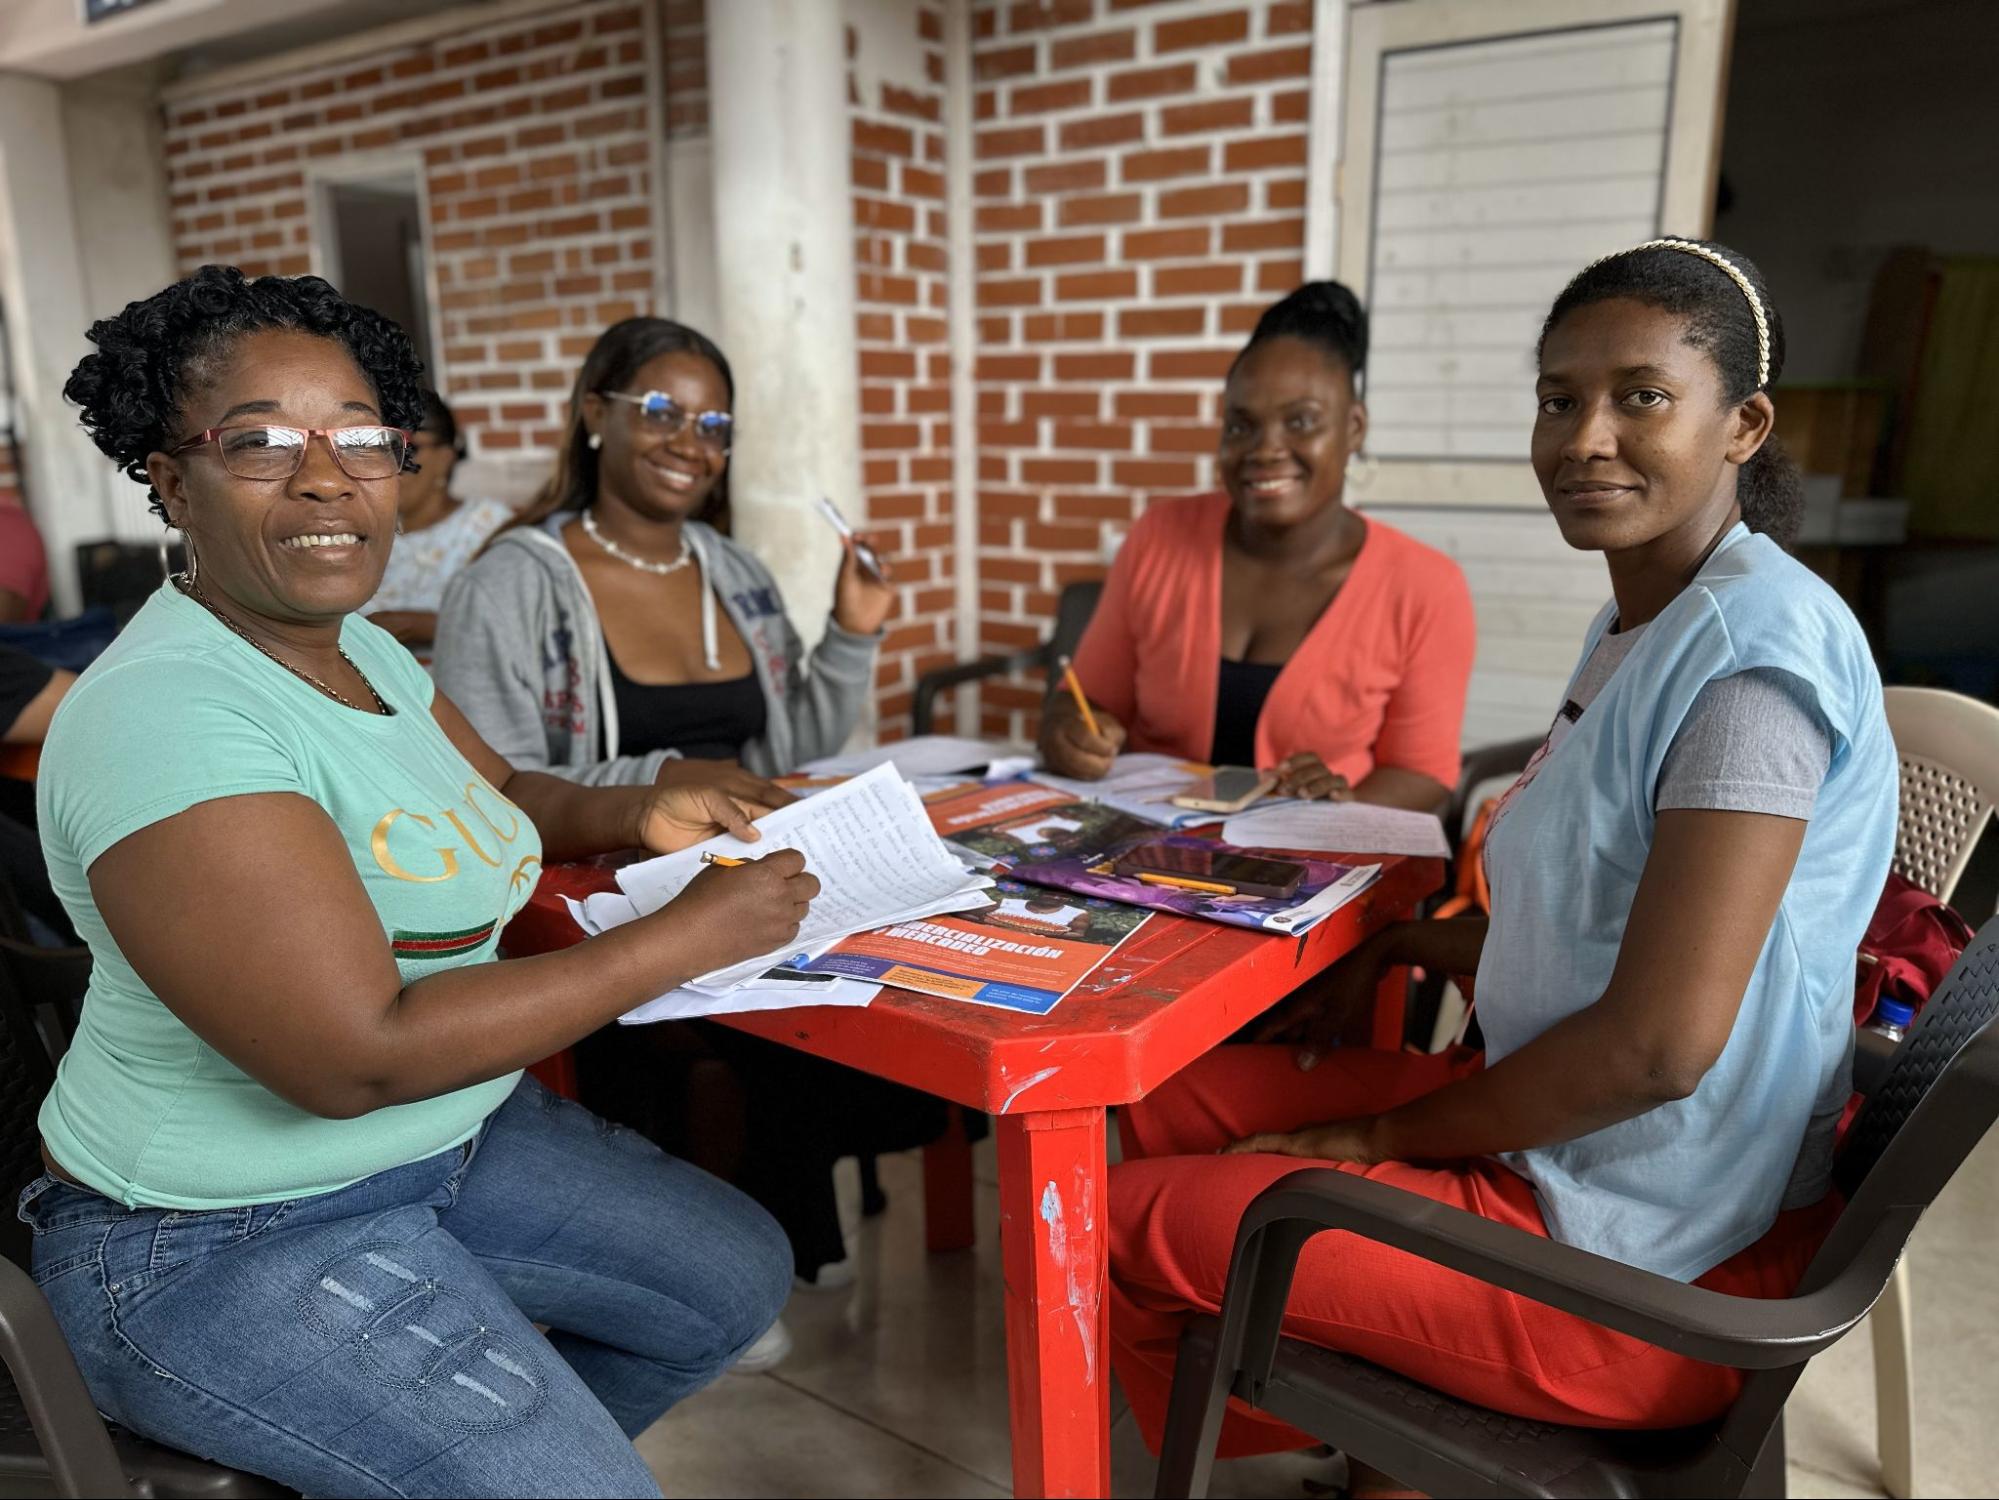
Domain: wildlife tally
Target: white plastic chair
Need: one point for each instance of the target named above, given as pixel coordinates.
(1948, 746)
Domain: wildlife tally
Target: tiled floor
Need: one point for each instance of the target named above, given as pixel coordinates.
(898, 1386)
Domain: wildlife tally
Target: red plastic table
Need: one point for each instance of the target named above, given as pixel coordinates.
(1176, 989)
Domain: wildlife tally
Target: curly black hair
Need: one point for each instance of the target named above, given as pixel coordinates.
(1716, 319)
(1323, 313)
(153, 354)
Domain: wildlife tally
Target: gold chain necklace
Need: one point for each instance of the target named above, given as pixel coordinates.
(188, 587)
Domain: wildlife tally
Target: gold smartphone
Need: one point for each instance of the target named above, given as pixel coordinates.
(1229, 790)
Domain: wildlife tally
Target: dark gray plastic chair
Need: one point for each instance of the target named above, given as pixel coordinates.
(1939, 1096)
(51, 1434)
(1072, 618)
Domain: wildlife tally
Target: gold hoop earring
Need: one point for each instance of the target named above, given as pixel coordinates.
(596, 441)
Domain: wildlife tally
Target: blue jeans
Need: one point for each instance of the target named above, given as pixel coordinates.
(380, 1340)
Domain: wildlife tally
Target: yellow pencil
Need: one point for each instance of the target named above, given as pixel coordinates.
(1082, 703)
(710, 857)
(1189, 885)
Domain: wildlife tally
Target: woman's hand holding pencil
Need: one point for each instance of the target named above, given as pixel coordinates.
(1078, 738)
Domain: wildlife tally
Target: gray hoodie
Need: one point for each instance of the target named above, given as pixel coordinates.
(521, 652)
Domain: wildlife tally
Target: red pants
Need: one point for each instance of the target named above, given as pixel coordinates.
(1174, 1206)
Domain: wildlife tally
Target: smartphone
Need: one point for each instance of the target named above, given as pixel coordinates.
(1229, 790)
(869, 558)
(1245, 874)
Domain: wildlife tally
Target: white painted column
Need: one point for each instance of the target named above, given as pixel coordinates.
(964, 272)
(784, 237)
(73, 492)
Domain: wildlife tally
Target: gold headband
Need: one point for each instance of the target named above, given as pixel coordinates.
(1729, 269)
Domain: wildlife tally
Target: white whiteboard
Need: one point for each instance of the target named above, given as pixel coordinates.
(1489, 150)
(1501, 167)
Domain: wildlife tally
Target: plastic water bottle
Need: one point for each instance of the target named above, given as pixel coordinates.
(1891, 1019)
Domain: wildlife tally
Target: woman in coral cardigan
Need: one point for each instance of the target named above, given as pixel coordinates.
(1270, 625)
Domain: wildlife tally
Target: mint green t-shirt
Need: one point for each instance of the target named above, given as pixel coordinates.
(181, 711)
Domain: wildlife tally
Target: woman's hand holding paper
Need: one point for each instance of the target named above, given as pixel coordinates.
(671, 818)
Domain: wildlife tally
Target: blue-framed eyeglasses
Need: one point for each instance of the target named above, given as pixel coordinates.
(715, 429)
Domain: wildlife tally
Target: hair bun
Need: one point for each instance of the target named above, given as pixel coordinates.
(1326, 313)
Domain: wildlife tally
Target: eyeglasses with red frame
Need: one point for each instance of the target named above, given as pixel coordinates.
(268, 451)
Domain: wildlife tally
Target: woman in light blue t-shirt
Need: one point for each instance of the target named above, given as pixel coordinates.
(303, 1211)
(1679, 881)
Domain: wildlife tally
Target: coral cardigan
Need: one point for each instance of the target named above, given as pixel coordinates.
(1378, 680)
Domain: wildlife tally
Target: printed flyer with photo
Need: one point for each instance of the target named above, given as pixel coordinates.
(1323, 885)
(1025, 951)
(1004, 823)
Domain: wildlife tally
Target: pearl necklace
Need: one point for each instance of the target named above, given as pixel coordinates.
(632, 559)
(187, 586)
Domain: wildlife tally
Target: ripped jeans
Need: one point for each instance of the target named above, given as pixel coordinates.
(380, 1340)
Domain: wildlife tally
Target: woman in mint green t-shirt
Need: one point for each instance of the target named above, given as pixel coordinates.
(303, 1211)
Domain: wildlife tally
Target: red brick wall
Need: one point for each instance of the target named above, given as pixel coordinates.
(1139, 196)
(1140, 192)
(901, 261)
(684, 39)
(534, 137)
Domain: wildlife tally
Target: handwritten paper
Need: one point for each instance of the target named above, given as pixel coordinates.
(868, 840)
(1337, 828)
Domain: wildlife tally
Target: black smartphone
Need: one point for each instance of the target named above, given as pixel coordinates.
(1243, 874)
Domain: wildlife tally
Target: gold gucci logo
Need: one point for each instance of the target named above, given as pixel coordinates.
(475, 792)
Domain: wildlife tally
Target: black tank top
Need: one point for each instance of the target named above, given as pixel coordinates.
(1238, 705)
(702, 720)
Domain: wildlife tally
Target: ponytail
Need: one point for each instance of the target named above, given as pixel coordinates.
(1771, 492)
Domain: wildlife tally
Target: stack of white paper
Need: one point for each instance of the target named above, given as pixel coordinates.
(1337, 827)
(608, 909)
(868, 840)
(924, 755)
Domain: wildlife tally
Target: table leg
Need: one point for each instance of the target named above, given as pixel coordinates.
(948, 1222)
(1391, 1001)
(1054, 1249)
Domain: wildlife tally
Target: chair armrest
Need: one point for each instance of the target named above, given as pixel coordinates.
(1744, 1332)
(58, 1403)
(1873, 1055)
(930, 684)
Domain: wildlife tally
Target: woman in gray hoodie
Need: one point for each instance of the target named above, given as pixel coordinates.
(613, 635)
(612, 630)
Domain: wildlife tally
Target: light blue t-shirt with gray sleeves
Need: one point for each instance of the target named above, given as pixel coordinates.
(1755, 637)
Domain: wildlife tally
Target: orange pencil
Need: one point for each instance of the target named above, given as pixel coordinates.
(1189, 885)
(1082, 703)
(710, 857)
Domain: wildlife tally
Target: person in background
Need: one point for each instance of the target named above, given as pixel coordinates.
(1270, 625)
(24, 566)
(29, 693)
(436, 534)
(30, 690)
(613, 636)
(303, 1211)
(1665, 985)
